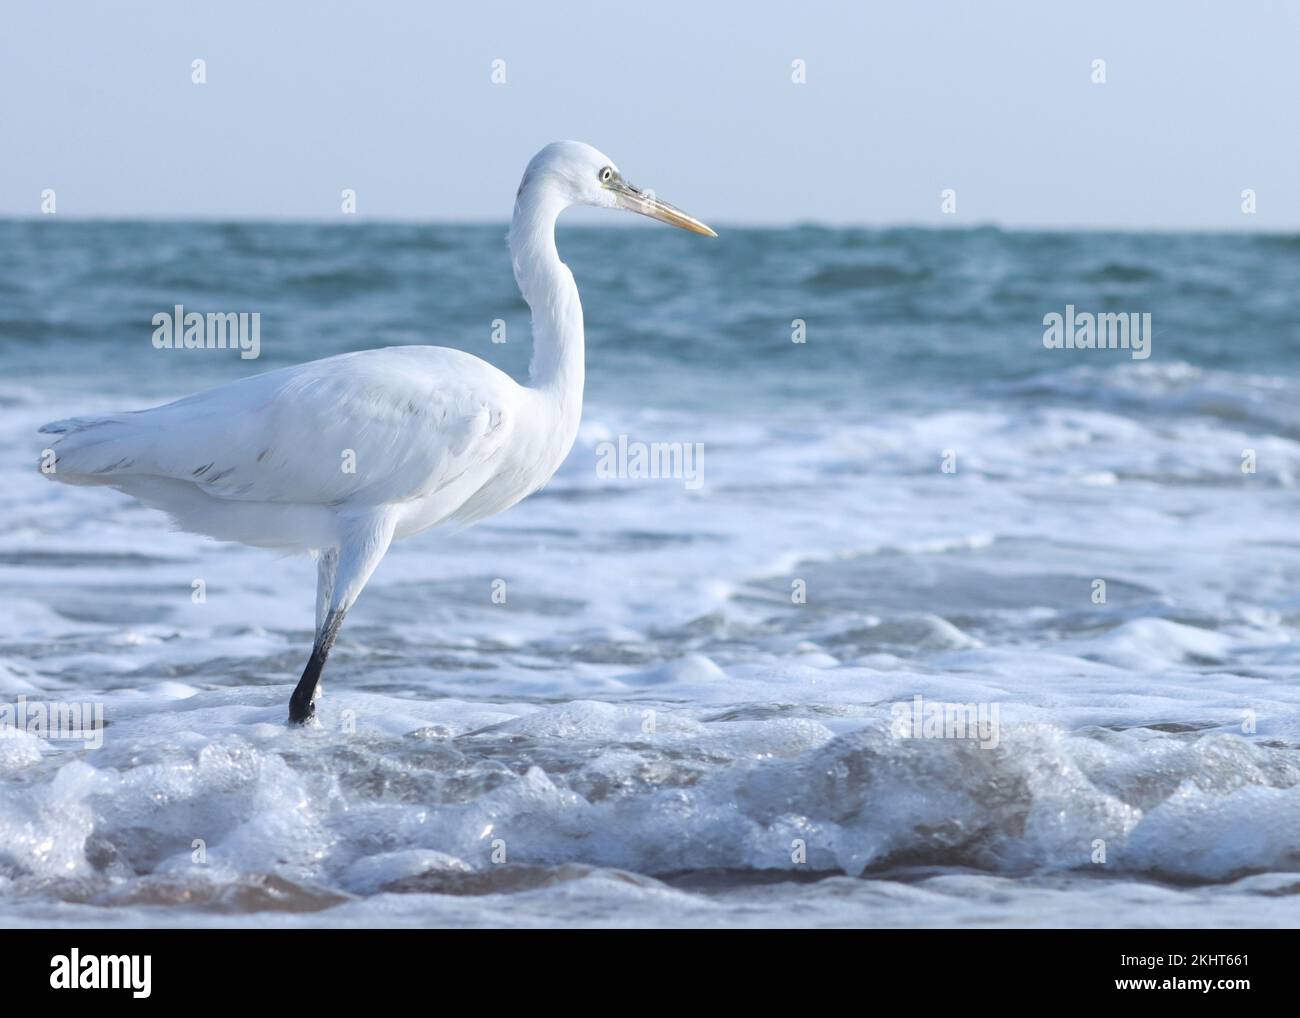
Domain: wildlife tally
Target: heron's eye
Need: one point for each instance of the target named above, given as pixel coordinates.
(607, 174)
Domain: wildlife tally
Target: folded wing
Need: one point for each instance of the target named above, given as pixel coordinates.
(378, 426)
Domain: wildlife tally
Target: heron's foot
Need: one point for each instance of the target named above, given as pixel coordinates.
(302, 709)
(302, 705)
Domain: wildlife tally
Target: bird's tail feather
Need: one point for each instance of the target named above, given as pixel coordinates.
(91, 449)
(73, 425)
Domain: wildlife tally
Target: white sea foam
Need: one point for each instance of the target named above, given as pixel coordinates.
(651, 705)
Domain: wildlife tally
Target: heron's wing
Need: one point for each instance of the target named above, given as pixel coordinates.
(371, 427)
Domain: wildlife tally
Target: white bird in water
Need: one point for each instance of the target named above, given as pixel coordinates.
(341, 456)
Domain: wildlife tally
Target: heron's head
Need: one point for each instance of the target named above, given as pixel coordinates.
(583, 176)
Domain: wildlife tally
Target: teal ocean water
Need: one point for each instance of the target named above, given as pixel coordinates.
(687, 708)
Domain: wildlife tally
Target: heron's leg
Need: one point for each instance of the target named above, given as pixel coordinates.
(327, 564)
(302, 704)
(341, 574)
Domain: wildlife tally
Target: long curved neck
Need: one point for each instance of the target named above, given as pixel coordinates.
(557, 367)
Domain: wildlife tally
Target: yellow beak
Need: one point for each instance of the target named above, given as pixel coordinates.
(635, 200)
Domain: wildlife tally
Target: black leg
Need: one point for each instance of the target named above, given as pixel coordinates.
(302, 705)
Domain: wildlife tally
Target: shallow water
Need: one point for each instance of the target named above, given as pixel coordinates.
(653, 728)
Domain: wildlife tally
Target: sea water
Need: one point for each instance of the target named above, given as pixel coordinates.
(944, 625)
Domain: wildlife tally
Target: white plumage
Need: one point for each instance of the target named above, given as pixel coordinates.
(341, 456)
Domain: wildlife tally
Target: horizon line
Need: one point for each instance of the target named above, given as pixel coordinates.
(353, 221)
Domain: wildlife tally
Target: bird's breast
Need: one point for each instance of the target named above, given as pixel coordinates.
(540, 440)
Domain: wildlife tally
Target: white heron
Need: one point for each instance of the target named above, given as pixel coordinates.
(338, 457)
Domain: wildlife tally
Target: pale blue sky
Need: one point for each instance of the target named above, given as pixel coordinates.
(394, 98)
